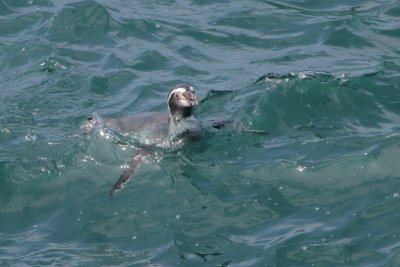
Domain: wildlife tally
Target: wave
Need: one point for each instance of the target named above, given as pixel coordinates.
(320, 100)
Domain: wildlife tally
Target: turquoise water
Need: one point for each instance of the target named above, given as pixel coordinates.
(321, 189)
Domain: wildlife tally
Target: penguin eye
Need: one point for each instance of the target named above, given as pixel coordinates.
(176, 95)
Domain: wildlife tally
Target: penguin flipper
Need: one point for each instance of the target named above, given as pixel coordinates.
(132, 165)
(221, 123)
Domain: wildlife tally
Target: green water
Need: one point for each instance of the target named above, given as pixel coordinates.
(321, 189)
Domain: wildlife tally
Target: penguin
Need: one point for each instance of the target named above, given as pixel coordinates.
(154, 128)
(181, 102)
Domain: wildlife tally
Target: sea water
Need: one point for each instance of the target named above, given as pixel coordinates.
(306, 174)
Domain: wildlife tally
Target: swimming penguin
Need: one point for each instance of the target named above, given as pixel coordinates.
(153, 128)
(181, 101)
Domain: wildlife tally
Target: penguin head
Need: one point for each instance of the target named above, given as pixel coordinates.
(181, 100)
(182, 95)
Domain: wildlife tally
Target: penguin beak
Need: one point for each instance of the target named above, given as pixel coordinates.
(190, 97)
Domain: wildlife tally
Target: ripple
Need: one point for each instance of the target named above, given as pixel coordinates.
(108, 84)
(81, 22)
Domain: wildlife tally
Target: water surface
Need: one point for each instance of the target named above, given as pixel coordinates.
(321, 189)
